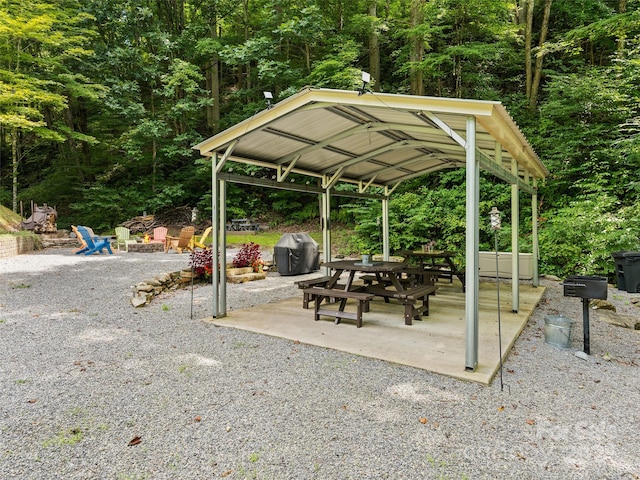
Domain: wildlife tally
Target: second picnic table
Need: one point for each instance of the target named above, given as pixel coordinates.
(387, 273)
(436, 262)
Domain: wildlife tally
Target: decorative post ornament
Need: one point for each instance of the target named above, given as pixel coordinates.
(495, 218)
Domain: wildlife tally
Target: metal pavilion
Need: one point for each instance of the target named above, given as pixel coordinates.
(375, 141)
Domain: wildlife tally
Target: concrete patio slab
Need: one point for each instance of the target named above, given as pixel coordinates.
(436, 344)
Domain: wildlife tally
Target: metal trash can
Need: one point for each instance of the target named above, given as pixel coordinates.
(627, 271)
(296, 253)
(557, 330)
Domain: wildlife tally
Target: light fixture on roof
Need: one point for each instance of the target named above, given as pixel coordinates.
(268, 96)
(366, 78)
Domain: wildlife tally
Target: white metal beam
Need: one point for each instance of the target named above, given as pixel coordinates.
(385, 229)
(534, 233)
(222, 257)
(472, 246)
(515, 242)
(215, 246)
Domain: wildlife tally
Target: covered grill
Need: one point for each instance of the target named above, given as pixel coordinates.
(296, 254)
(585, 287)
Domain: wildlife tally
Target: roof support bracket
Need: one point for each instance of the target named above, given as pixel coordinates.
(282, 175)
(363, 187)
(388, 190)
(330, 183)
(227, 154)
(446, 128)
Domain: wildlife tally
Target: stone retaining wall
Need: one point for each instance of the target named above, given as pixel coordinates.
(144, 291)
(11, 245)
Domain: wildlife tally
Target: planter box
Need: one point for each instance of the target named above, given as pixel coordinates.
(244, 274)
(487, 264)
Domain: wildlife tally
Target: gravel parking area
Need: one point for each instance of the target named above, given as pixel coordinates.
(91, 388)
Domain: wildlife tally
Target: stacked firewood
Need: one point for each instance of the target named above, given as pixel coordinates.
(142, 224)
(175, 219)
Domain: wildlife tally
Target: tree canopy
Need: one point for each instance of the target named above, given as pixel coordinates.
(102, 100)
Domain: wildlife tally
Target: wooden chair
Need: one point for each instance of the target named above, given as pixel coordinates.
(123, 238)
(159, 235)
(93, 243)
(183, 242)
(200, 242)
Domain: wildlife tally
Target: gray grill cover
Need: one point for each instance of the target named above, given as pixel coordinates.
(296, 253)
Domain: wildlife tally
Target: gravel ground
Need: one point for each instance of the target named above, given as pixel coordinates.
(92, 388)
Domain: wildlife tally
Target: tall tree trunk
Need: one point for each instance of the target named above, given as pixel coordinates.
(521, 12)
(622, 8)
(213, 85)
(417, 49)
(247, 72)
(154, 164)
(528, 41)
(374, 48)
(537, 73)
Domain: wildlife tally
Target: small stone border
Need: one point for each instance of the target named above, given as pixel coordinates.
(144, 291)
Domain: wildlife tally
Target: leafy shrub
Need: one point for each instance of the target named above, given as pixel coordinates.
(580, 238)
(248, 256)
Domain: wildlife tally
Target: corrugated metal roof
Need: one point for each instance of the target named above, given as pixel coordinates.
(375, 138)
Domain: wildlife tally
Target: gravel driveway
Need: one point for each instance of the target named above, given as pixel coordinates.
(91, 388)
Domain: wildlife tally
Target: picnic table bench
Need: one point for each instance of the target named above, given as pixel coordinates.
(309, 283)
(410, 297)
(319, 294)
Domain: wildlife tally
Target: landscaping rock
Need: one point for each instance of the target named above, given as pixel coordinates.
(626, 321)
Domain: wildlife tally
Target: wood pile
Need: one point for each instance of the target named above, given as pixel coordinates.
(142, 224)
(173, 219)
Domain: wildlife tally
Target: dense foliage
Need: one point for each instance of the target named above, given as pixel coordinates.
(102, 100)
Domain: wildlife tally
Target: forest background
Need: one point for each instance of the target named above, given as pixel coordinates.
(102, 100)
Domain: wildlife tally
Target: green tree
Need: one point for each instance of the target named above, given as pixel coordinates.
(39, 42)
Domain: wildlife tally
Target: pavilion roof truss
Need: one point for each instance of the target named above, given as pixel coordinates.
(375, 140)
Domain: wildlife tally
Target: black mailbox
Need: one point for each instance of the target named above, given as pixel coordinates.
(584, 286)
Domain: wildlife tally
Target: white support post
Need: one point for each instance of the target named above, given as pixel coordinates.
(223, 249)
(515, 241)
(472, 246)
(385, 229)
(534, 233)
(326, 227)
(215, 247)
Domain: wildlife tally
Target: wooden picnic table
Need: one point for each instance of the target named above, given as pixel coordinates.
(436, 262)
(244, 224)
(388, 285)
(386, 268)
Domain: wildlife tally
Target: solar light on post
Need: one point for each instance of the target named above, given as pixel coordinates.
(366, 78)
(495, 226)
(268, 96)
